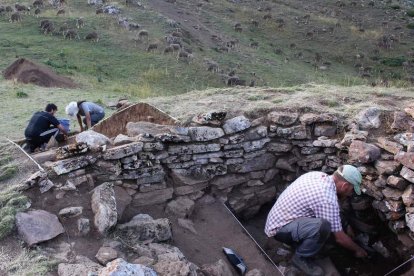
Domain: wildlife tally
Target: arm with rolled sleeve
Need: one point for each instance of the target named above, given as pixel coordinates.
(330, 212)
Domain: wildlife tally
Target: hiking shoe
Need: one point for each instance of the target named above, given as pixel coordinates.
(307, 266)
(27, 148)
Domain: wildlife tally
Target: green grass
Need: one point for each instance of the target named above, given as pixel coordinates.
(11, 203)
(394, 61)
(118, 67)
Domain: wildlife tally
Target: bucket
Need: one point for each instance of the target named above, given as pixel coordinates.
(65, 123)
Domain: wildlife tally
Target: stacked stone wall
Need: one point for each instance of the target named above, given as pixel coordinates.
(243, 162)
(248, 163)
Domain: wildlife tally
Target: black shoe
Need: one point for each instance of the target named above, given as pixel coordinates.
(307, 266)
(27, 148)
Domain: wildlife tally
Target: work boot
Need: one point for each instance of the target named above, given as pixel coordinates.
(307, 266)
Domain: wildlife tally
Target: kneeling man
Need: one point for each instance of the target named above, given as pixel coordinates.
(307, 212)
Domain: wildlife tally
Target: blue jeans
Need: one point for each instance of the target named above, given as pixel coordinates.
(95, 118)
(307, 235)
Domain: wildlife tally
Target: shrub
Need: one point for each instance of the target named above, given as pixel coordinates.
(395, 7)
(393, 62)
(21, 94)
(410, 13)
(6, 226)
(410, 26)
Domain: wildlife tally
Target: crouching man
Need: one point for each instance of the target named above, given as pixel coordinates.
(91, 112)
(307, 212)
(42, 126)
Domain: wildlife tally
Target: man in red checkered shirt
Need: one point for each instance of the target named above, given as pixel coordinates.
(307, 212)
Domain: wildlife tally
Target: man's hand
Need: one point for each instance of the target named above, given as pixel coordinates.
(361, 253)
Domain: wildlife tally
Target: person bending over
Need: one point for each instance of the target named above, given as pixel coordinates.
(307, 212)
(42, 126)
(91, 112)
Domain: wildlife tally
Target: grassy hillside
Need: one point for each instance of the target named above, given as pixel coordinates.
(281, 44)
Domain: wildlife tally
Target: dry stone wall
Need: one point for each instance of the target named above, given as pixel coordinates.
(247, 163)
(243, 162)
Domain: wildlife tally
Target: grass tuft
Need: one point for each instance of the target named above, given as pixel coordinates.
(6, 226)
(7, 171)
(393, 61)
(21, 94)
(29, 263)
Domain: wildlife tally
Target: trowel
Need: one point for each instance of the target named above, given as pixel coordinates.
(235, 260)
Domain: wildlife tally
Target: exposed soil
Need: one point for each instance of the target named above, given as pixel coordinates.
(25, 71)
(216, 228)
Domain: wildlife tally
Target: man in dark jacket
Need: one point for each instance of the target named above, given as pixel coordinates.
(42, 126)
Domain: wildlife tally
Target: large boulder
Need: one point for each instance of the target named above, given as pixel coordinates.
(120, 267)
(93, 139)
(38, 226)
(143, 227)
(363, 152)
(104, 207)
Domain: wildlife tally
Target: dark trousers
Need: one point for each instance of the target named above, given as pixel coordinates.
(35, 142)
(307, 235)
(95, 118)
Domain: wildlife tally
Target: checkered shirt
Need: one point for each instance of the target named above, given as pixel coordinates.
(311, 195)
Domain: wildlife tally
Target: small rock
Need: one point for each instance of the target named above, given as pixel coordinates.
(402, 122)
(83, 226)
(105, 255)
(120, 267)
(182, 207)
(122, 139)
(282, 118)
(144, 260)
(255, 272)
(70, 212)
(187, 224)
(214, 118)
(369, 118)
(236, 124)
(219, 268)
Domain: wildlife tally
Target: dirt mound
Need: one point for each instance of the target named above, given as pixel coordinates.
(26, 71)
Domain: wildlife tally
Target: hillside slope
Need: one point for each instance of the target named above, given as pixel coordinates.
(275, 43)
